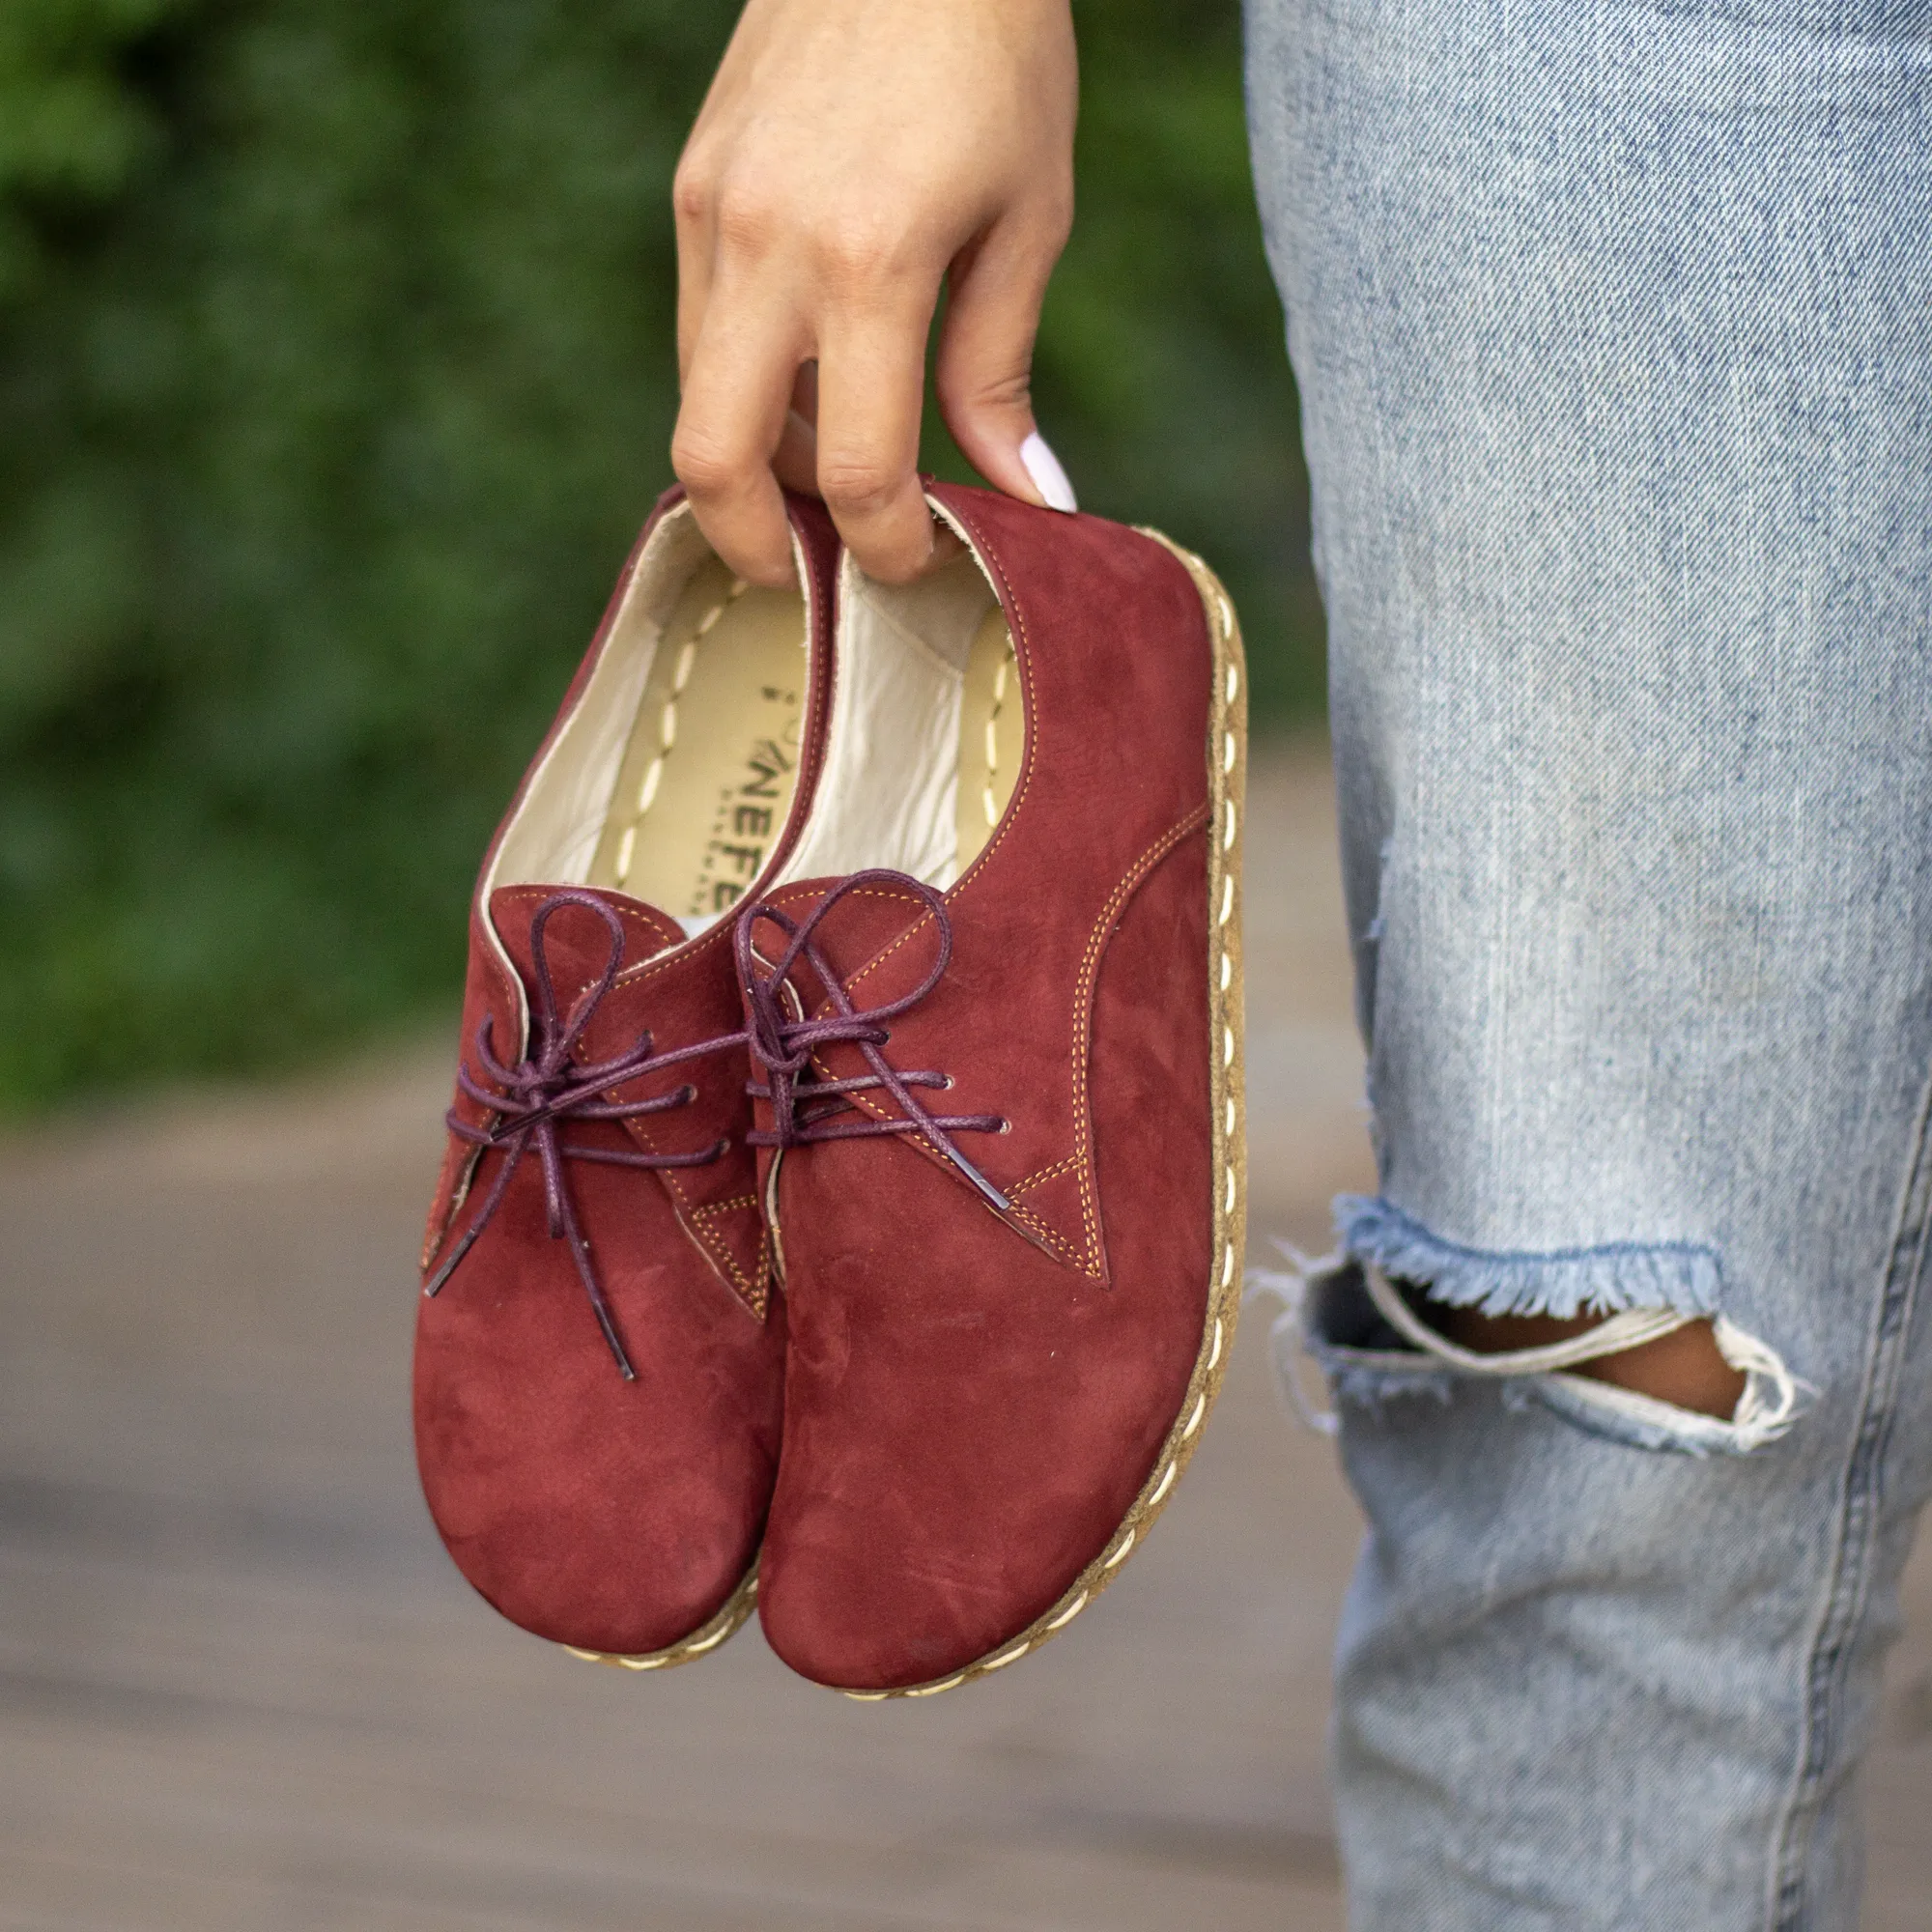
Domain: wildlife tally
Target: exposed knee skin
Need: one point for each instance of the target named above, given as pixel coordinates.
(1684, 1368)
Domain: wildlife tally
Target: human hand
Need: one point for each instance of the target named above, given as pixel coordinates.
(850, 156)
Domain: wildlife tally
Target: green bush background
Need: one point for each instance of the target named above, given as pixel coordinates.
(336, 371)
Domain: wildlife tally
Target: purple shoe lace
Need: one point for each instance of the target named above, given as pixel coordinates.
(552, 1086)
(802, 1108)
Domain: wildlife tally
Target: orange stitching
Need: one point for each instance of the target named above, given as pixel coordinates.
(792, 897)
(1045, 1175)
(1023, 656)
(736, 1202)
(1054, 1240)
(634, 912)
(878, 959)
(1082, 1002)
(799, 894)
(643, 918)
(715, 1248)
(674, 954)
(722, 1257)
(1204, 1383)
(1097, 944)
(640, 917)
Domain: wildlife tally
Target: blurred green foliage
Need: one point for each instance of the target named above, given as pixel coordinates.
(335, 370)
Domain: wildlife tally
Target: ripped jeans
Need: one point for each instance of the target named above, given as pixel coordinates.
(1613, 327)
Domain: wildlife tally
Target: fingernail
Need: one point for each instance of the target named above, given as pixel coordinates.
(1048, 477)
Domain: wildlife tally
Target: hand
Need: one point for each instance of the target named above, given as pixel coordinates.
(850, 156)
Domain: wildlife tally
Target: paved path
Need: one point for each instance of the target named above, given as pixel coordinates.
(241, 1689)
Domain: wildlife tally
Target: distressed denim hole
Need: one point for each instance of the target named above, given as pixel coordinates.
(1685, 1368)
(1625, 1341)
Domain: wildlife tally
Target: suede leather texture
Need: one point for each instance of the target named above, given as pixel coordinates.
(613, 1516)
(973, 1401)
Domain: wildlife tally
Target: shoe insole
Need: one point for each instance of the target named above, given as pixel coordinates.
(992, 734)
(927, 737)
(707, 777)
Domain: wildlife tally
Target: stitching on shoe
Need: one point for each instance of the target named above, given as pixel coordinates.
(793, 897)
(700, 1642)
(1090, 967)
(819, 705)
(632, 914)
(459, 1192)
(1059, 1242)
(988, 800)
(691, 1217)
(821, 690)
(1093, 1260)
(1045, 1174)
(647, 790)
(1224, 1296)
(1022, 641)
(753, 1292)
(726, 1206)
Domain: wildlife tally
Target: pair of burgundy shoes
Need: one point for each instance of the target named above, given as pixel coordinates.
(844, 1197)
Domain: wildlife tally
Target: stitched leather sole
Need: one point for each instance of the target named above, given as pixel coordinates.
(1227, 779)
(701, 1642)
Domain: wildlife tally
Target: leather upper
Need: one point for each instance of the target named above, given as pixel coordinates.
(974, 1397)
(611, 1515)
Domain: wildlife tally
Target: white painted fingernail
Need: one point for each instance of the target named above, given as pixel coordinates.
(1048, 477)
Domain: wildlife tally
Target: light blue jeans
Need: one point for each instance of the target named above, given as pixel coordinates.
(1614, 326)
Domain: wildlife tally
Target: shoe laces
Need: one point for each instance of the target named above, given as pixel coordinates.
(783, 1040)
(531, 1099)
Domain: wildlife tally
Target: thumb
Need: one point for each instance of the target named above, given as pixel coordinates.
(983, 369)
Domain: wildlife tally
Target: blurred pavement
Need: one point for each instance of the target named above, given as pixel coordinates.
(242, 1690)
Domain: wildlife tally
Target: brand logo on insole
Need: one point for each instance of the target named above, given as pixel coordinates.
(750, 812)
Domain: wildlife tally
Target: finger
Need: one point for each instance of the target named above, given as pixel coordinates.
(983, 369)
(797, 459)
(729, 424)
(691, 198)
(871, 392)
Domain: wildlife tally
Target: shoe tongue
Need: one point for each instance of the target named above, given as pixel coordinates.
(577, 943)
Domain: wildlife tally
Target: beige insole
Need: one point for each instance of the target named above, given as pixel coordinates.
(992, 734)
(708, 774)
(929, 732)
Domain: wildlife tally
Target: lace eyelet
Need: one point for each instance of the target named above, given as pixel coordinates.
(1006, 1125)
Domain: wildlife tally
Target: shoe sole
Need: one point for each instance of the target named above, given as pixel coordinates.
(701, 1642)
(1227, 778)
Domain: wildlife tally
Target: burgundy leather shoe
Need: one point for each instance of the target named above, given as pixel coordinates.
(600, 1347)
(1000, 1098)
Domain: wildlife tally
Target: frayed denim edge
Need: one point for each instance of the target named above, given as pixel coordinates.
(1633, 1422)
(1775, 1400)
(1370, 1377)
(1374, 1382)
(1565, 1282)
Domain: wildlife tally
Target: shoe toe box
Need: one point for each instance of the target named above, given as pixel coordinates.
(610, 1515)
